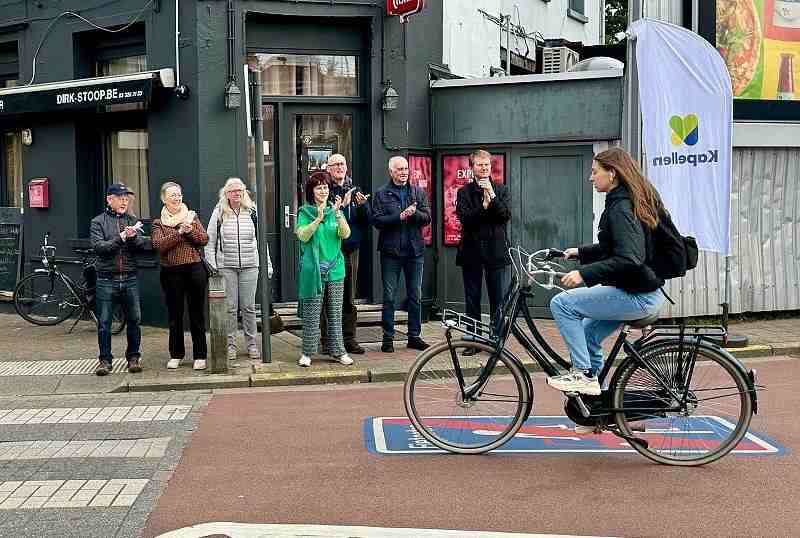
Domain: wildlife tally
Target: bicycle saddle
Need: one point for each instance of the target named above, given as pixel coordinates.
(644, 322)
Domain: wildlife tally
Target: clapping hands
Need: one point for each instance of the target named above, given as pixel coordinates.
(407, 212)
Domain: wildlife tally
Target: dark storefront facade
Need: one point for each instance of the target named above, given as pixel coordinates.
(324, 69)
(322, 65)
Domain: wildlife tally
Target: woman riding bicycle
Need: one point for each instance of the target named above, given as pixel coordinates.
(620, 286)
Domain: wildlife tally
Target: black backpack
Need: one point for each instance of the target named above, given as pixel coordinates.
(673, 254)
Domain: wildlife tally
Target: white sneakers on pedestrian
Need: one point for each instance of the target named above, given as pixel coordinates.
(232, 353)
(305, 361)
(173, 364)
(345, 359)
(199, 364)
(253, 352)
(575, 381)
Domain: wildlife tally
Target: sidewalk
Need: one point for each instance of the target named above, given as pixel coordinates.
(48, 360)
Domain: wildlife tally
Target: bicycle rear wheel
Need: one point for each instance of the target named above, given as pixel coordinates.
(700, 427)
(45, 299)
(437, 409)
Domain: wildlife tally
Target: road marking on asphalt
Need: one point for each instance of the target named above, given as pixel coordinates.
(33, 494)
(153, 447)
(63, 367)
(82, 415)
(248, 530)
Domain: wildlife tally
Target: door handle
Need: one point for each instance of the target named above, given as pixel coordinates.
(286, 214)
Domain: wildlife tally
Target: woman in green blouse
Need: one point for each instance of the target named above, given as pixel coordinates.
(321, 228)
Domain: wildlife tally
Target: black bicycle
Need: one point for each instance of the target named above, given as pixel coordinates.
(675, 396)
(48, 296)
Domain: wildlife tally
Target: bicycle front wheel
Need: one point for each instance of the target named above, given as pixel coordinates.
(45, 299)
(439, 411)
(706, 421)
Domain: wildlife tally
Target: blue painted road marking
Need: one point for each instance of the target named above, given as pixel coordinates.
(548, 434)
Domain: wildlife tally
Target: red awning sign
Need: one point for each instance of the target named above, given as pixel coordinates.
(404, 8)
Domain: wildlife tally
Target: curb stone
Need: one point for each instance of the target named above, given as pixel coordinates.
(310, 378)
(212, 381)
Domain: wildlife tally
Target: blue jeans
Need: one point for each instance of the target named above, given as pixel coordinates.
(587, 316)
(390, 275)
(126, 292)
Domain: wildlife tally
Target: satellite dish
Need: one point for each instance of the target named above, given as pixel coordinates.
(598, 63)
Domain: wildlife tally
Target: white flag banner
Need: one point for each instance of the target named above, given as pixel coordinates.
(687, 116)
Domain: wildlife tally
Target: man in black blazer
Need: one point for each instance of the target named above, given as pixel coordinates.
(484, 209)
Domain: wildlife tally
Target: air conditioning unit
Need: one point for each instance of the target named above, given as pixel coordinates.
(558, 59)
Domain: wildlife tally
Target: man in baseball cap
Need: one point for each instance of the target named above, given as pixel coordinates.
(117, 239)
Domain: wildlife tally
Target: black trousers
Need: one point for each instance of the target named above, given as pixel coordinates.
(188, 283)
(496, 283)
(349, 311)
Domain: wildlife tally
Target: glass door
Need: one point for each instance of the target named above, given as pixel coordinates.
(310, 134)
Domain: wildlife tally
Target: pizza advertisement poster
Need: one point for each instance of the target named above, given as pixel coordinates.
(420, 167)
(456, 173)
(760, 43)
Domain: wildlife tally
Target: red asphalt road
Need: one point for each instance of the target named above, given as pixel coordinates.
(299, 457)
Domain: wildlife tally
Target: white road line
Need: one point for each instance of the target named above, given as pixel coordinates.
(82, 415)
(152, 447)
(247, 530)
(61, 367)
(32, 494)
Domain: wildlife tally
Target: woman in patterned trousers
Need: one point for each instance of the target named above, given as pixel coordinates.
(321, 228)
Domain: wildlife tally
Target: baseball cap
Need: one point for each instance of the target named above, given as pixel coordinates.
(118, 189)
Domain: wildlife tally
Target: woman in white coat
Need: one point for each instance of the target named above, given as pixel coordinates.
(233, 249)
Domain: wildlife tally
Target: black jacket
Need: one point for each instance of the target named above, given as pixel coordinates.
(386, 218)
(484, 239)
(357, 216)
(113, 254)
(624, 246)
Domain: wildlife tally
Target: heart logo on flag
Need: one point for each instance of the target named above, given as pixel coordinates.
(685, 130)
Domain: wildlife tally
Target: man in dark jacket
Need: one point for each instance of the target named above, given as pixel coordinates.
(399, 212)
(356, 213)
(116, 239)
(484, 209)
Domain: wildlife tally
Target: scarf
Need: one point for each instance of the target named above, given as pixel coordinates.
(171, 221)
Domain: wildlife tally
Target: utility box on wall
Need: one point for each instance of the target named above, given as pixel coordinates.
(39, 193)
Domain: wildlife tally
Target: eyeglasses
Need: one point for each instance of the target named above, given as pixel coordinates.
(236, 190)
(336, 164)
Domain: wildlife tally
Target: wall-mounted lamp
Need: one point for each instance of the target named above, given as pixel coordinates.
(27, 137)
(233, 95)
(391, 98)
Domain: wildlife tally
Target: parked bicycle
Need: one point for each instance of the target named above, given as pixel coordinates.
(675, 396)
(48, 296)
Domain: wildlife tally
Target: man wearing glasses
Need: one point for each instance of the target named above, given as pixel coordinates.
(356, 212)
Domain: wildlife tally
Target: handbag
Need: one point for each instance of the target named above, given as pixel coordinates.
(209, 269)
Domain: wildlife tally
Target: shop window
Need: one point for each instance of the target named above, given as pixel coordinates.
(11, 169)
(9, 64)
(126, 162)
(307, 74)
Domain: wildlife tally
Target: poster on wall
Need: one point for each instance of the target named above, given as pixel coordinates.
(760, 43)
(456, 173)
(419, 174)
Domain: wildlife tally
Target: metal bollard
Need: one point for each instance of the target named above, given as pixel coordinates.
(218, 324)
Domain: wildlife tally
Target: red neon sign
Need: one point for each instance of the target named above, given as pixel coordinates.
(404, 8)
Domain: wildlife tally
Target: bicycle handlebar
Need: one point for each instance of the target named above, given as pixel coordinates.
(539, 267)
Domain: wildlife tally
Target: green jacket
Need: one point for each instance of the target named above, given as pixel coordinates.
(324, 246)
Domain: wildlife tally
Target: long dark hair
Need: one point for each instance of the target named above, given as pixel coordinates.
(646, 201)
(320, 177)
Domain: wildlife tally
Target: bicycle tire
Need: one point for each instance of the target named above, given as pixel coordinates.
(436, 408)
(717, 400)
(118, 319)
(45, 299)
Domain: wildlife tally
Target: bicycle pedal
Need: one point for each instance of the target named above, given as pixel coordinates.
(579, 402)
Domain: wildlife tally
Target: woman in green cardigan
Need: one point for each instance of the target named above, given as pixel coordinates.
(321, 228)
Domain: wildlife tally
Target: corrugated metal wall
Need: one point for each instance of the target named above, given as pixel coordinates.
(765, 226)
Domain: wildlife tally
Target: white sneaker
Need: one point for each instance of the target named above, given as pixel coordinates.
(232, 353)
(199, 364)
(253, 352)
(345, 359)
(304, 361)
(173, 364)
(575, 381)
